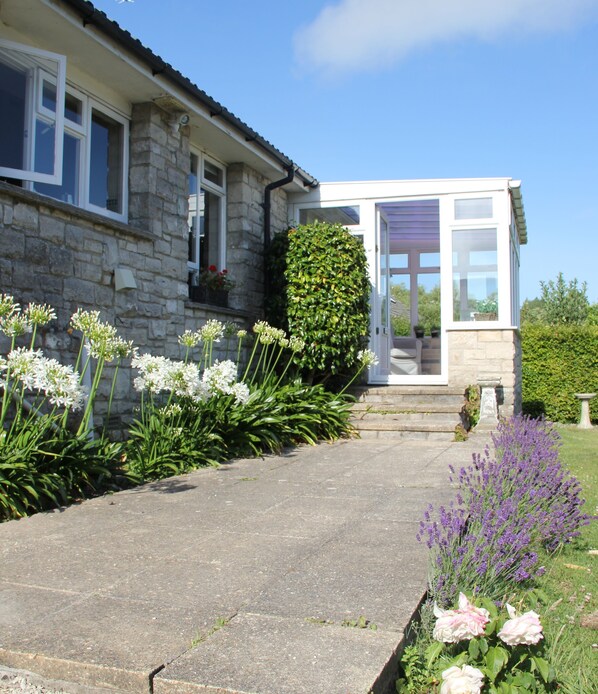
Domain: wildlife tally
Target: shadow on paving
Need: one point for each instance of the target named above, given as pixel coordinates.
(235, 579)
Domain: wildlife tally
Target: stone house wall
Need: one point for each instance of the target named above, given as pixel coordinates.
(475, 354)
(59, 254)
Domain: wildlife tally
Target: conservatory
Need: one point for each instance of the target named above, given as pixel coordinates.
(444, 270)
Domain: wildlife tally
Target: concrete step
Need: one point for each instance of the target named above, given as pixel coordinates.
(399, 422)
(380, 406)
(409, 434)
(415, 412)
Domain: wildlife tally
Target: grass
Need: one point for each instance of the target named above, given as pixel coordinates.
(571, 618)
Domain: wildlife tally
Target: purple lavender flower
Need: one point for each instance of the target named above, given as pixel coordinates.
(509, 504)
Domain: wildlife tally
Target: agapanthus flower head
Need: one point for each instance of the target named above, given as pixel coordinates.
(40, 314)
(241, 334)
(184, 381)
(296, 344)
(260, 327)
(190, 338)
(367, 358)
(8, 305)
(212, 331)
(241, 392)
(59, 383)
(85, 321)
(121, 349)
(153, 373)
(22, 364)
(230, 329)
(220, 377)
(15, 325)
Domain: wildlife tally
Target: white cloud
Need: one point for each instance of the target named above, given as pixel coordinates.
(359, 35)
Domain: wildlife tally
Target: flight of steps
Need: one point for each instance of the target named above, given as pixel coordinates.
(415, 412)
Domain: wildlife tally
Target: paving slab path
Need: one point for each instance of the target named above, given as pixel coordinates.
(244, 579)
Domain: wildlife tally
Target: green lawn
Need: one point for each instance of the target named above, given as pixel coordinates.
(571, 617)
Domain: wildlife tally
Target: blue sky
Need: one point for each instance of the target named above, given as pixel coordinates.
(392, 89)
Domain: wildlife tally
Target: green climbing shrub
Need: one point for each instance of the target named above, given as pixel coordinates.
(557, 362)
(319, 293)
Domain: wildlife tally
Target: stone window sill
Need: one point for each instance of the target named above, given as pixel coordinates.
(76, 213)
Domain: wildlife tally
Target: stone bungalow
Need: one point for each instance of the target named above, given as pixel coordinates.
(118, 199)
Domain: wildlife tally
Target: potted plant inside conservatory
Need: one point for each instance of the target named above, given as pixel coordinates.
(213, 287)
(486, 309)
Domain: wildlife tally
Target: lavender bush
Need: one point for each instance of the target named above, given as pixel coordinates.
(508, 506)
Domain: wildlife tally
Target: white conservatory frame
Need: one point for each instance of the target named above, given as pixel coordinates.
(374, 198)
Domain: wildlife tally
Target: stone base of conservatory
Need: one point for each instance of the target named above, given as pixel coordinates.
(476, 355)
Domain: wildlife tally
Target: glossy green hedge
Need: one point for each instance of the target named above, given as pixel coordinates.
(319, 292)
(559, 361)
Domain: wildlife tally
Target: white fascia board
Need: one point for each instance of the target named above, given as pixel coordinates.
(390, 190)
(106, 60)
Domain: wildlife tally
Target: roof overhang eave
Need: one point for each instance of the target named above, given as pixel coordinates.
(517, 200)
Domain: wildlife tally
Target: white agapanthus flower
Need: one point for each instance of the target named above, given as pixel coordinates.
(190, 338)
(296, 344)
(40, 314)
(22, 365)
(220, 377)
(153, 373)
(211, 331)
(8, 305)
(85, 321)
(15, 325)
(241, 392)
(59, 383)
(367, 357)
(184, 380)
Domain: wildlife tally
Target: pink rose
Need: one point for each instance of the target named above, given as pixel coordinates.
(525, 629)
(462, 680)
(465, 623)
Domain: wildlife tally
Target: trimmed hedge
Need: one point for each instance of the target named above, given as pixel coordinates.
(319, 292)
(559, 361)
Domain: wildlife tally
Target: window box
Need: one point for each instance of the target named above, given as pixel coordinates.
(204, 295)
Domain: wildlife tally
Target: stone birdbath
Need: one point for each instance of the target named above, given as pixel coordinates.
(584, 419)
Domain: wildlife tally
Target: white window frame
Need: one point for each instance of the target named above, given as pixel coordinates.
(82, 132)
(36, 74)
(220, 191)
(94, 104)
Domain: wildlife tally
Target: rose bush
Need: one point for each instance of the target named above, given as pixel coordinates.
(479, 648)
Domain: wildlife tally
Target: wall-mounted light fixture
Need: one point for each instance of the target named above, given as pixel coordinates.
(178, 120)
(124, 279)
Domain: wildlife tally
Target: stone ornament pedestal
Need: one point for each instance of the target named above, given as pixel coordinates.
(488, 405)
(584, 418)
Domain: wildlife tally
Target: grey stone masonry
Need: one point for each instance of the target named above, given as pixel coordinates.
(59, 254)
(245, 240)
(480, 354)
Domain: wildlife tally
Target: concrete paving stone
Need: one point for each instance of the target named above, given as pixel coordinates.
(344, 582)
(410, 503)
(106, 642)
(305, 517)
(236, 550)
(265, 655)
(25, 605)
(61, 524)
(188, 582)
(79, 567)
